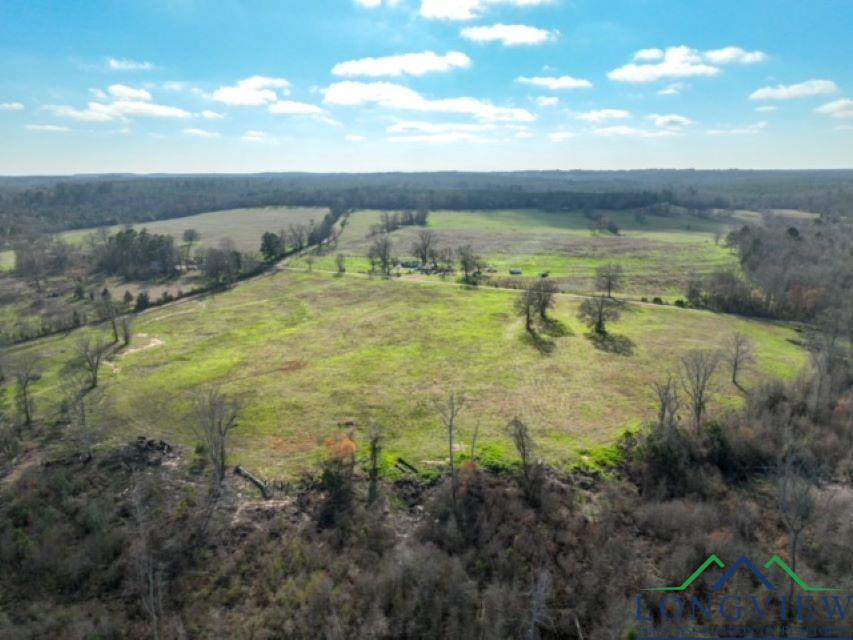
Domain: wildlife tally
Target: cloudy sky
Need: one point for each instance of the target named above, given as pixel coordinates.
(375, 85)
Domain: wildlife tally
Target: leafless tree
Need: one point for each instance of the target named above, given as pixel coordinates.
(598, 311)
(125, 327)
(697, 379)
(467, 260)
(108, 310)
(381, 254)
(740, 355)
(449, 411)
(524, 445)
(540, 617)
(26, 370)
(796, 503)
(149, 580)
(375, 445)
(424, 245)
(214, 417)
(341, 263)
(309, 260)
(544, 290)
(668, 403)
(609, 278)
(525, 304)
(90, 354)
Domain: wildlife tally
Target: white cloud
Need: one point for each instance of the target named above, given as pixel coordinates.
(731, 55)
(648, 55)
(370, 4)
(677, 62)
(510, 35)
(800, 90)
(291, 108)
(748, 130)
(547, 101)
(767, 108)
(11, 106)
(415, 64)
(602, 115)
(46, 127)
(670, 121)
(354, 137)
(394, 96)
(174, 85)
(555, 83)
(560, 136)
(123, 92)
(252, 92)
(119, 109)
(257, 136)
(123, 64)
(838, 109)
(672, 89)
(201, 133)
(211, 115)
(630, 132)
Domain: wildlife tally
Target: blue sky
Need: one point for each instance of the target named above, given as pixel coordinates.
(376, 85)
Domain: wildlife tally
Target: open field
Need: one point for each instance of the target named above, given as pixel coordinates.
(306, 353)
(243, 226)
(658, 254)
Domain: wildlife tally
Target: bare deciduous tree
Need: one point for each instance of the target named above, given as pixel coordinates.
(375, 445)
(525, 304)
(90, 355)
(215, 416)
(125, 327)
(449, 412)
(26, 370)
(524, 445)
(740, 355)
(341, 263)
(697, 379)
(668, 403)
(796, 504)
(468, 260)
(424, 245)
(597, 312)
(381, 254)
(609, 278)
(545, 291)
(149, 580)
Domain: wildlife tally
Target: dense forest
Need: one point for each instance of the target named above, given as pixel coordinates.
(39, 204)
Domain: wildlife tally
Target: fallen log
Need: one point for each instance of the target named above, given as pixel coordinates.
(260, 484)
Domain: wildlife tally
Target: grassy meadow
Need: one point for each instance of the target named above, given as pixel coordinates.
(243, 226)
(658, 254)
(310, 354)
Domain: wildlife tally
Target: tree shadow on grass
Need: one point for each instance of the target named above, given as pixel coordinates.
(555, 328)
(620, 345)
(542, 343)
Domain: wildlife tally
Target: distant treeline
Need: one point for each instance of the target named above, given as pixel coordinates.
(43, 204)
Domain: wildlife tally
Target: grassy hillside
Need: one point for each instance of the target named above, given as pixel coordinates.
(308, 354)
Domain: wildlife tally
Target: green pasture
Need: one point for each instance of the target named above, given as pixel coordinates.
(308, 355)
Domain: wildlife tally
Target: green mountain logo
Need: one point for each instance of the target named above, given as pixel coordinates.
(745, 562)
